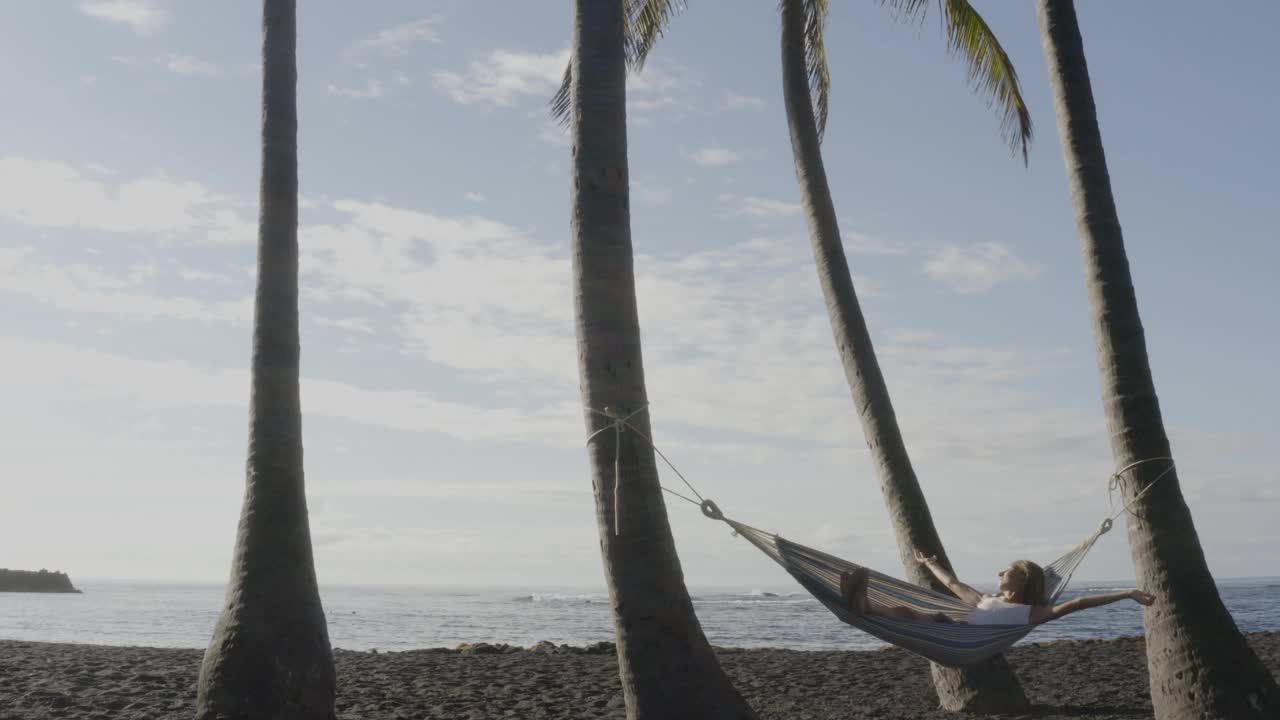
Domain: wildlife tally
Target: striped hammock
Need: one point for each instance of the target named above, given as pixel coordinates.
(953, 644)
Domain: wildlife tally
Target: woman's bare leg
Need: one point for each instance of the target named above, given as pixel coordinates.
(853, 588)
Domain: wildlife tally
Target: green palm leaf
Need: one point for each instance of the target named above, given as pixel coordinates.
(560, 102)
(990, 68)
(815, 59)
(646, 20)
(968, 36)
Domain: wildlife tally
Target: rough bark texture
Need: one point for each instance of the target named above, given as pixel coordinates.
(270, 655)
(667, 667)
(1198, 663)
(990, 686)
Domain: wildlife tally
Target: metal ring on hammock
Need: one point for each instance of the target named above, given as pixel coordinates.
(1106, 526)
(711, 510)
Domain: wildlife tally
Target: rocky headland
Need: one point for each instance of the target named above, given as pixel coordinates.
(38, 581)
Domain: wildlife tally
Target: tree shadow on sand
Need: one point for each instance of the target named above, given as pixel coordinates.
(1091, 711)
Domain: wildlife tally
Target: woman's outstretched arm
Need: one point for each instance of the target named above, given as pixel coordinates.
(947, 578)
(1045, 613)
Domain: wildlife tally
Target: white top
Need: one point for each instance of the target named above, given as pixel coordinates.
(992, 610)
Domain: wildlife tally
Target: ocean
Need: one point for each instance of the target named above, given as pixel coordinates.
(403, 618)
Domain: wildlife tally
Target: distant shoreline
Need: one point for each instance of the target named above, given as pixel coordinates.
(606, 648)
(694, 588)
(35, 581)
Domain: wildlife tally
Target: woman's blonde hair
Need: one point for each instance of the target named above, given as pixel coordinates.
(1034, 591)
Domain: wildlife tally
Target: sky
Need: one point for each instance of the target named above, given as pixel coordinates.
(444, 436)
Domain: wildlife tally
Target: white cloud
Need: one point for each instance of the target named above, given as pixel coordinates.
(194, 276)
(471, 294)
(863, 244)
(175, 63)
(356, 325)
(504, 77)
(735, 101)
(143, 16)
(639, 104)
(660, 76)
(507, 77)
(715, 157)
(189, 65)
(489, 302)
(472, 234)
(553, 133)
(156, 384)
(398, 39)
(391, 42)
(758, 208)
(978, 268)
(56, 195)
(372, 89)
(93, 290)
(657, 91)
(649, 193)
(475, 197)
(485, 300)
(741, 371)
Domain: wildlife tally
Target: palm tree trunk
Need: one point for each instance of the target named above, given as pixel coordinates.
(668, 670)
(1199, 664)
(991, 686)
(270, 653)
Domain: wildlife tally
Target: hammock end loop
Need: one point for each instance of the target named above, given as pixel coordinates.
(711, 510)
(1105, 527)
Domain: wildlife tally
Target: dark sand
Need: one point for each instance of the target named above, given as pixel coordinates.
(1090, 679)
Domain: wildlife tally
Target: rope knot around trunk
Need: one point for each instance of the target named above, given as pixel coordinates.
(1116, 483)
(619, 422)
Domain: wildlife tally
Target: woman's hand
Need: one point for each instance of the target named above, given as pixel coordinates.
(1142, 598)
(924, 559)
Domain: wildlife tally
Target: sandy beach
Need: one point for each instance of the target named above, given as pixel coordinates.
(1066, 679)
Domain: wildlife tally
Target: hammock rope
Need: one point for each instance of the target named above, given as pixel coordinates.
(954, 644)
(1115, 482)
(619, 422)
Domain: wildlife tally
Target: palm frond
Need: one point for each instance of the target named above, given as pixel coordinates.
(990, 69)
(815, 59)
(562, 103)
(645, 22)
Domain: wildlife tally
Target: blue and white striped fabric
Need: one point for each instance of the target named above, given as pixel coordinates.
(952, 644)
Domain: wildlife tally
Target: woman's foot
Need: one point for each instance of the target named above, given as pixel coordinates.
(853, 588)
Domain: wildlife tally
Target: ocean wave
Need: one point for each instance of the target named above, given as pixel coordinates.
(744, 602)
(562, 599)
(755, 598)
(773, 596)
(749, 595)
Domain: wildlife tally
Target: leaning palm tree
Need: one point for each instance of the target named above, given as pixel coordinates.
(990, 686)
(270, 655)
(1199, 664)
(668, 669)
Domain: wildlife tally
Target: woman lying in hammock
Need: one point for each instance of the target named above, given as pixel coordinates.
(1020, 600)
